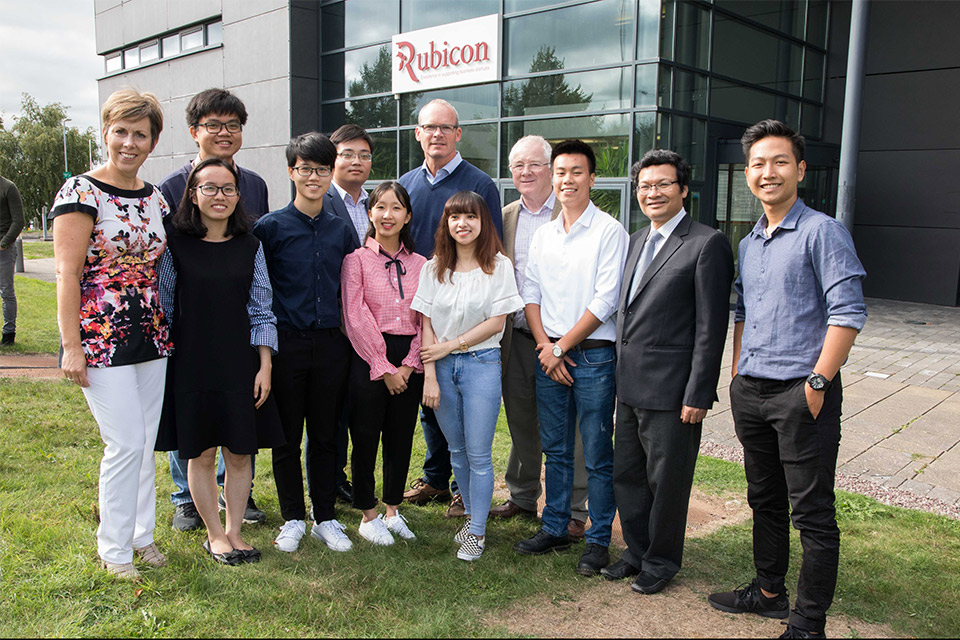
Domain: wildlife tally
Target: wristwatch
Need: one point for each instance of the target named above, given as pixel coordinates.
(557, 351)
(818, 382)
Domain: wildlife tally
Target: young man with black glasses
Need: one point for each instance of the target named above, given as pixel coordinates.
(216, 118)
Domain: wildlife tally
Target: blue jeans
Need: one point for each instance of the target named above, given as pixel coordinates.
(436, 463)
(590, 400)
(467, 414)
(178, 473)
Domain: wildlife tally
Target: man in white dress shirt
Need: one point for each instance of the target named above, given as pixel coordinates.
(571, 291)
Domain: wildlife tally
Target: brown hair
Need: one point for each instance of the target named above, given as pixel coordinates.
(130, 104)
(487, 245)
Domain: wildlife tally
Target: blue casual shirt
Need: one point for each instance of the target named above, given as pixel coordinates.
(791, 286)
(304, 255)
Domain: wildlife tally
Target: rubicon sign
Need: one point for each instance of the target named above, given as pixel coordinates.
(448, 55)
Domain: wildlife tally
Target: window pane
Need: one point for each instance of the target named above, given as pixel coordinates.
(331, 74)
(782, 15)
(192, 40)
(572, 37)
(332, 26)
(817, 22)
(813, 76)
(647, 85)
(149, 52)
(478, 146)
(477, 102)
(667, 30)
(690, 92)
(358, 73)
(757, 57)
(114, 63)
(664, 87)
(810, 124)
(607, 199)
(214, 33)
(384, 155)
(648, 29)
(748, 106)
(371, 113)
(420, 14)
(644, 133)
(131, 58)
(510, 6)
(608, 135)
(693, 35)
(690, 140)
(587, 91)
(171, 45)
(369, 21)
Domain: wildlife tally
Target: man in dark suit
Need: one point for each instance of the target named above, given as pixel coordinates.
(671, 325)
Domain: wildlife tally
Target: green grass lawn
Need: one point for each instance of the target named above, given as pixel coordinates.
(898, 567)
(34, 250)
(37, 330)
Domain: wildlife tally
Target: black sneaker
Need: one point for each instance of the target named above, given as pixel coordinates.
(541, 543)
(749, 599)
(251, 515)
(594, 558)
(8, 339)
(797, 632)
(345, 493)
(186, 518)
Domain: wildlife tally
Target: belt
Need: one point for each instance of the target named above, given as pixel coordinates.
(589, 343)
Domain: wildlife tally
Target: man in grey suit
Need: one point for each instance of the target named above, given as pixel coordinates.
(530, 167)
(671, 326)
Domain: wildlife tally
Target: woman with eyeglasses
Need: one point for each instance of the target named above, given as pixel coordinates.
(107, 241)
(215, 290)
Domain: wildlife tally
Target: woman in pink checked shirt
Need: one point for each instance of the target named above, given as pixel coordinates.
(378, 282)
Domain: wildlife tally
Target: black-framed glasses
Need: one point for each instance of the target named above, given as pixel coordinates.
(213, 126)
(365, 156)
(305, 171)
(662, 187)
(210, 190)
(446, 129)
(518, 167)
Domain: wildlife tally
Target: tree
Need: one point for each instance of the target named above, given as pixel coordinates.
(31, 153)
(544, 91)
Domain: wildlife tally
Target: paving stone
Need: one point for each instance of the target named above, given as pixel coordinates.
(913, 486)
(879, 460)
(945, 495)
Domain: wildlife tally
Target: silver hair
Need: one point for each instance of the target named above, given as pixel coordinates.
(545, 146)
(441, 102)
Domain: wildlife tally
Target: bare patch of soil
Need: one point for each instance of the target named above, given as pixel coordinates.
(18, 366)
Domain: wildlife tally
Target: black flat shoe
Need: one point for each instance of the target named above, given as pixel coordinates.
(232, 557)
(249, 555)
(619, 570)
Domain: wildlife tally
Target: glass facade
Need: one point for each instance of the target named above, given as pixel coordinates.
(623, 75)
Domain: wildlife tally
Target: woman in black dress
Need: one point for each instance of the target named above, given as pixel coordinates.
(215, 288)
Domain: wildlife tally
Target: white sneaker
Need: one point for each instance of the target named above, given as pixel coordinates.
(376, 532)
(332, 534)
(290, 534)
(461, 536)
(398, 525)
(472, 548)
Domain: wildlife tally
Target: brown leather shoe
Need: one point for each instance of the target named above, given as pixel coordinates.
(421, 493)
(510, 509)
(576, 529)
(456, 510)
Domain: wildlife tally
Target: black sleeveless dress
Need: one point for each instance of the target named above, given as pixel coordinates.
(209, 394)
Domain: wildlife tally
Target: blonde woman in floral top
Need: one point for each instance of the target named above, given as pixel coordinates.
(108, 238)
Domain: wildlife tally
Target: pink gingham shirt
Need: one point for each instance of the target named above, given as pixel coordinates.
(372, 304)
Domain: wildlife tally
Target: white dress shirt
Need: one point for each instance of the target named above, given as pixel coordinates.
(443, 171)
(527, 224)
(568, 274)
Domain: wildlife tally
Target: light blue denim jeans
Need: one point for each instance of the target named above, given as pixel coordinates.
(178, 473)
(468, 412)
(590, 400)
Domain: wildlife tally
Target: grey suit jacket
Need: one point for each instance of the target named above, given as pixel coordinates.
(510, 214)
(333, 204)
(670, 338)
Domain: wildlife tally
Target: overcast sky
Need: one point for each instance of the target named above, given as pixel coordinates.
(48, 49)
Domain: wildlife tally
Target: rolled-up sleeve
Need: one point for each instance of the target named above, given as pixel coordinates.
(263, 322)
(613, 257)
(840, 273)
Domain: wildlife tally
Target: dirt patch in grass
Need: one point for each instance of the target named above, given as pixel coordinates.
(604, 609)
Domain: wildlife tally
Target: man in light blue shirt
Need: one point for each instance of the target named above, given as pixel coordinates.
(799, 309)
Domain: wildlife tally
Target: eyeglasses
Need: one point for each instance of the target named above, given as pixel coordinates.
(446, 129)
(662, 187)
(323, 172)
(216, 127)
(530, 166)
(210, 190)
(364, 156)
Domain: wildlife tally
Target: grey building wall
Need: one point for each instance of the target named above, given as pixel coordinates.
(907, 219)
(253, 62)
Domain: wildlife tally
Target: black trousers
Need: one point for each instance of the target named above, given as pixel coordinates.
(309, 383)
(654, 456)
(790, 460)
(375, 414)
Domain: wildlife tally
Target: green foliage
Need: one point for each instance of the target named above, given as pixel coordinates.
(543, 91)
(31, 153)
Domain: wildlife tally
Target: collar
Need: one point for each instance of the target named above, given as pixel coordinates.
(372, 244)
(547, 206)
(789, 221)
(585, 219)
(450, 167)
(343, 193)
(667, 229)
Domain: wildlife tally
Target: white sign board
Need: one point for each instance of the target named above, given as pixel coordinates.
(449, 55)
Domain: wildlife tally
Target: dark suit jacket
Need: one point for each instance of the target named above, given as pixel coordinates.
(670, 338)
(510, 214)
(333, 204)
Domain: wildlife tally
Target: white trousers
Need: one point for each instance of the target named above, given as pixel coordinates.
(126, 402)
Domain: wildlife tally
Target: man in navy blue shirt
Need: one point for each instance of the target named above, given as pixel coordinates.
(216, 119)
(305, 247)
(799, 309)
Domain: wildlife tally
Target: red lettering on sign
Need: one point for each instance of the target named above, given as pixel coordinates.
(439, 58)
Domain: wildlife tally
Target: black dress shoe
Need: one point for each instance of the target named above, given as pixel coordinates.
(345, 492)
(648, 584)
(619, 570)
(593, 560)
(541, 543)
(231, 558)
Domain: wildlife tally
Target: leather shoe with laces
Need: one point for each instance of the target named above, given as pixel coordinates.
(796, 632)
(749, 599)
(619, 570)
(595, 557)
(648, 584)
(541, 543)
(420, 492)
(510, 509)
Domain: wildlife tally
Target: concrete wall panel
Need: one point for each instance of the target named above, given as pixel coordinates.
(257, 49)
(911, 110)
(143, 19)
(109, 28)
(268, 106)
(270, 162)
(180, 13)
(236, 10)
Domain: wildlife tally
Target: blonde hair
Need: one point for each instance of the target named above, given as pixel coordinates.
(130, 104)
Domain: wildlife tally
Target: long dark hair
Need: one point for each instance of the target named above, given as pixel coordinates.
(391, 185)
(487, 245)
(187, 219)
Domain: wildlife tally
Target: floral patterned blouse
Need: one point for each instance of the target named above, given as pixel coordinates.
(121, 320)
